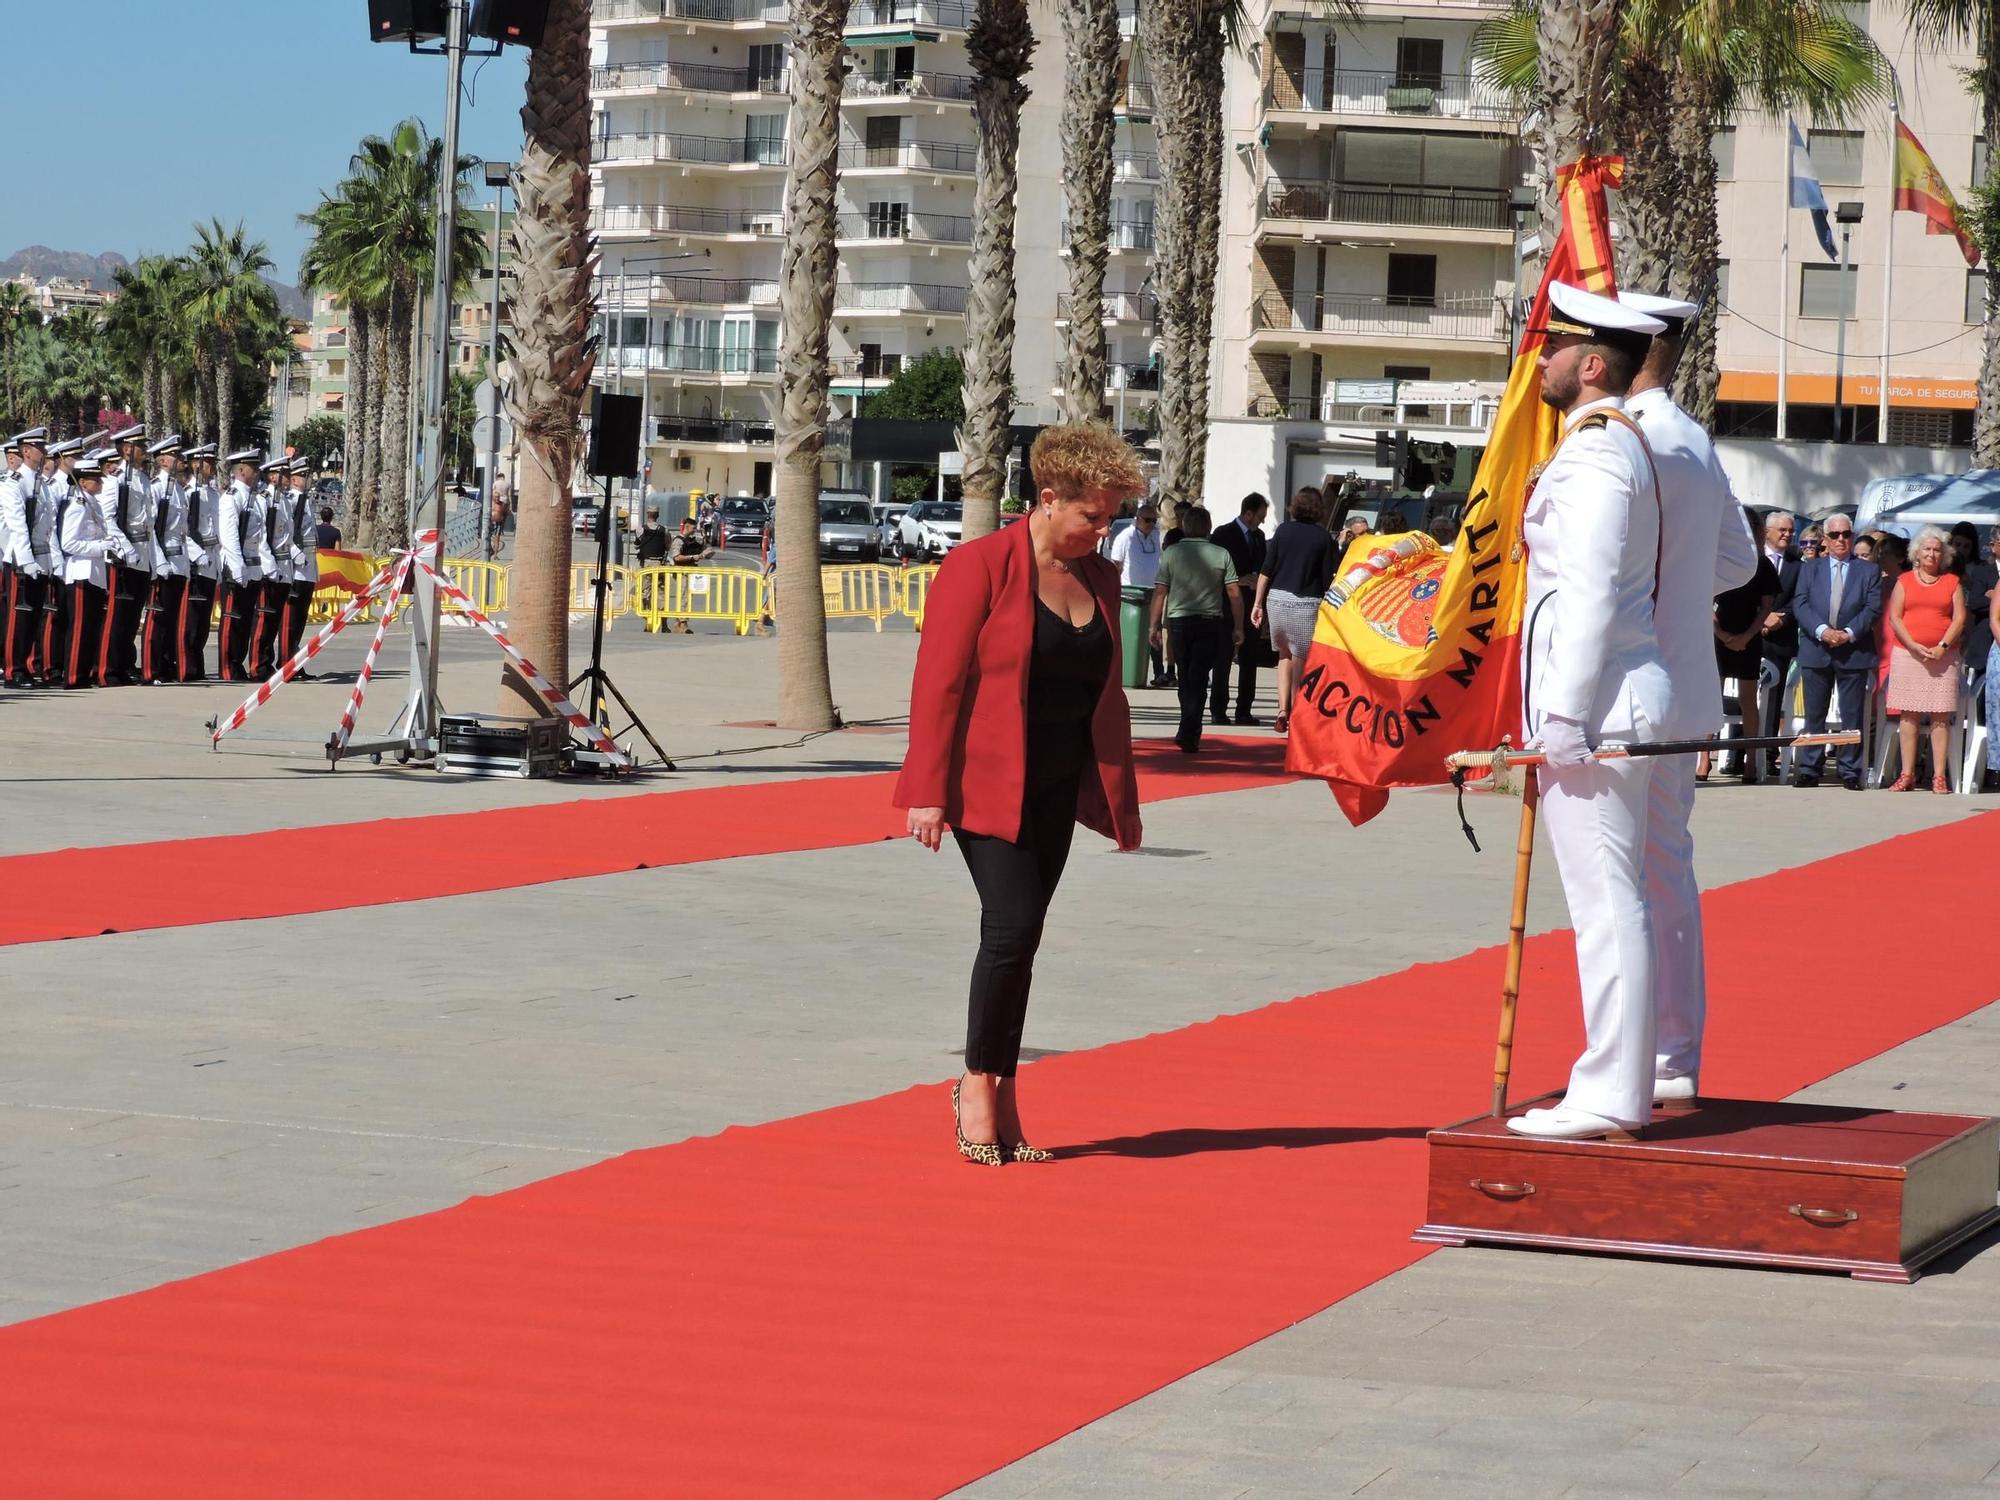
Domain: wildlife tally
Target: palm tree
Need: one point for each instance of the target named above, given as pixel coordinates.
(1089, 130)
(341, 259)
(16, 313)
(132, 324)
(1575, 93)
(228, 291)
(805, 298)
(1975, 24)
(998, 44)
(554, 349)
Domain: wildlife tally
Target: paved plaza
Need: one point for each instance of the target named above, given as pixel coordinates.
(180, 1099)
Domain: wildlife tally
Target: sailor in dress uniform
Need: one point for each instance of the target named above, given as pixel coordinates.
(161, 653)
(26, 511)
(302, 534)
(128, 511)
(89, 547)
(1705, 550)
(1592, 673)
(276, 586)
(204, 561)
(240, 526)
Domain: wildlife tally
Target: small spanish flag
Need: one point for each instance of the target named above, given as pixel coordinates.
(1920, 189)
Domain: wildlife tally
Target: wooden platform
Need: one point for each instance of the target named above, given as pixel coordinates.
(1873, 1193)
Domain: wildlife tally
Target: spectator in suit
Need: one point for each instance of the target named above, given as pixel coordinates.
(1982, 607)
(1837, 604)
(1243, 540)
(1780, 631)
(1738, 615)
(1927, 619)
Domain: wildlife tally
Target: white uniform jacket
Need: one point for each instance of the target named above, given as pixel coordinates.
(128, 511)
(1592, 526)
(21, 504)
(304, 536)
(202, 536)
(87, 541)
(276, 556)
(170, 527)
(1705, 549)
(241, 534)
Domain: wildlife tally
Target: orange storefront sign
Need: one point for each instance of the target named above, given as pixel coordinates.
(1935, 392)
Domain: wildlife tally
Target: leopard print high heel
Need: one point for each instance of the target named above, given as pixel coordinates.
(1022, 1151)
(986, 1153)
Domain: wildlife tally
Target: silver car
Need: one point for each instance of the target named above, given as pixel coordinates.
(847, 531)
(931, 528)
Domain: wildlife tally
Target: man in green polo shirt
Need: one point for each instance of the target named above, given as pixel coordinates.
(1197, 595)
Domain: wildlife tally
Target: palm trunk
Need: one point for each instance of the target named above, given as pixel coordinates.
(1207, 246)
(149, 397)
(1089, 131)
(1986, 415)
(1700, 212)
(552, 265)
(805, 296)
(1576, 98)
(392, 510)
(225, 394)
(356, 468)
(1648, 204)
(999, 45)
(204, 399)
(170, 393)
(379, 335)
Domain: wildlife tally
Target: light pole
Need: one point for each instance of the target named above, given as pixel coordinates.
(498, 175)
(1520, 203)
(1847, 214)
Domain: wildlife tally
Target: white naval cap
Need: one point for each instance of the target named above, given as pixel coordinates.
(89, 467)
(243, 456)
(1583, 314)
(1672, 311)
(38, 436)
(130, 435)
(64, 448)
(171, 443)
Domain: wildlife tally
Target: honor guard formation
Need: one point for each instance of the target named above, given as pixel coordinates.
(114, 559)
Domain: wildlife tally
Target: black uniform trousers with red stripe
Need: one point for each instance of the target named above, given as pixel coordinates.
(118, 651)
(297, 607)
(87, 609)
(197, 610)
(271, 596)
(160, 645)
(239, 628)
(25, 598)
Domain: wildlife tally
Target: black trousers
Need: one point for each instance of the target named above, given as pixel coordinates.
(160, 649)
(239, 626)
(298, 604)
(88, 607)
(55, 628)
(1016, 881)
(1820, 684)
(118, 649)
(1201, 649)
(271, 596)
(197, 608)
(1246, 678)
(24, 598)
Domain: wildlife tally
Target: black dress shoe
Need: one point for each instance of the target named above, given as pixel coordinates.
(1850, 784)
(20, 680)
(1802, 779)
(1248, 720)
(1221, 721)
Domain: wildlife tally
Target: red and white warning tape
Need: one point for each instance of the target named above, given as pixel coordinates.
(367, 673)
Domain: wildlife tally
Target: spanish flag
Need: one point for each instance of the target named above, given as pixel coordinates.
(346, 572)
(1920, 189)
(1415, 651)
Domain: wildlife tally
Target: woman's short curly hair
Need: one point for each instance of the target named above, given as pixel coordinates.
(1076, 457)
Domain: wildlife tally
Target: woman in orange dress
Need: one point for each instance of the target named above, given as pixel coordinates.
(1926, 618)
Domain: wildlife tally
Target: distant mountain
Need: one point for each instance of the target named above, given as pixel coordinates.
(45, 264)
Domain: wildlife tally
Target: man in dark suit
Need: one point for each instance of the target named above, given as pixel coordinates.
(1781, 630)
(1980, 579)
(1838, 604)
(1243, 540)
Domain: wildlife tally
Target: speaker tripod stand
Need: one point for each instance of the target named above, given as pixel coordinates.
(595, 674)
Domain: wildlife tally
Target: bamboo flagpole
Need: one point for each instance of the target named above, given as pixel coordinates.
(1517, 942)
(1888, 264)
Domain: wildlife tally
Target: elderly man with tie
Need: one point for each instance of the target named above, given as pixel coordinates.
(1838, 604)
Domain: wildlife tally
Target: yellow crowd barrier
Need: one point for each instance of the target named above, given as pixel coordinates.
(735, 595)
(915, 585)
(582, 600)
(867, 591)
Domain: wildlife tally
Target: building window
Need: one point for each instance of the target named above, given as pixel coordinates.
(1406, 372)
(764, 139)
(1836, 154)
(1978, 160)
(1722, 286)
(1819, 291)
(1413, 280)
(1975, 296)
(1919, 429)
(1407, 157)
(767, 67)
(1419, 62)
(1722, 146)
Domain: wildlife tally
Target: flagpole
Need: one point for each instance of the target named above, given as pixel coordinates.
(1888, 262)
(1784, 277)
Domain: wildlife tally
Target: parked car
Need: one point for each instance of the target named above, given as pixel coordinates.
(889, 526)
(847, 529)
(931, 528)
(743, 518)
(583, 511)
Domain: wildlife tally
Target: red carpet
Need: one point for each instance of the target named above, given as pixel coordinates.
(175, 883)
(784, 1309)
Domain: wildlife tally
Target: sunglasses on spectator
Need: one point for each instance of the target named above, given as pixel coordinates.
(1832, 534)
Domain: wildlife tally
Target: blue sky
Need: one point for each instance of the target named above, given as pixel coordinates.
(128, 126)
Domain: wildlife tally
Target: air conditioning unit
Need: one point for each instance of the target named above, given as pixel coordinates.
(683, 463)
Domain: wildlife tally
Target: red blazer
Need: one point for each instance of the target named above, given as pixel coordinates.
(968, 703)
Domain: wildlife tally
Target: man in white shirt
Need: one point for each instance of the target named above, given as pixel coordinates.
(240, 527)
(1136, 551)
(89, 547)
(160, 655)
(26, 513)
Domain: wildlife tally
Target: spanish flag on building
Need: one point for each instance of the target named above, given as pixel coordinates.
(1415, 652)
(1921, 189)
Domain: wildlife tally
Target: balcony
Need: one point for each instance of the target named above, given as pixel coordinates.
(1360, 91)
(899, 225)
(1458, 208)
(1115, 307)
(862, 298)
(697, 78)
(703, 430)
(1136, 99)
(666, 289)
(942, 88)
(1125, 235)
(1135, 166)
(690, 359)
(650, 219)
(1472, 318)
(335, 338)
(1143, 379)
(923, 15)
(731, 13)
(687, 151)
(848, 368)
(909, 156)
(1463, 405)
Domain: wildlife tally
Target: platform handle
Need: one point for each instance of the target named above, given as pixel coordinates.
(1825, 1215)
(1507, 1189)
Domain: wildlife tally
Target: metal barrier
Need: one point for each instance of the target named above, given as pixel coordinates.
(915, 586)
(732, 594)
(582, 600)
(484, 582)
(867, 591)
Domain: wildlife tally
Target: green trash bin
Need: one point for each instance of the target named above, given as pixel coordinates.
(1132, 607)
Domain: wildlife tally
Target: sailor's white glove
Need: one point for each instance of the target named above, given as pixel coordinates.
(1563, 743)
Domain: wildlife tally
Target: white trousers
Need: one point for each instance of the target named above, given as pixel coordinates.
(1596, 815)
(1680, 979)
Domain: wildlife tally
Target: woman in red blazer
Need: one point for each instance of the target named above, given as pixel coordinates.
(1019, 731)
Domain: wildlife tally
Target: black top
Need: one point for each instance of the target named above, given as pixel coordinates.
(1065, 681)
(688, 548)
(1736, 609)
(1300, 559)
(653, 544)
(327, 536)
(1980, 580)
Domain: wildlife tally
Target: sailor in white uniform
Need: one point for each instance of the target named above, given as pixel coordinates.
(89, 547)
(26, 513)
(302, 536)
(276, 563)
(128, 511)
(204, 561)
(160, 658)
(1706, 549)
(1592, 673)
(240, 525)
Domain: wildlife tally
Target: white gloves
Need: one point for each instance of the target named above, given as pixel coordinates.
(1563, 743)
